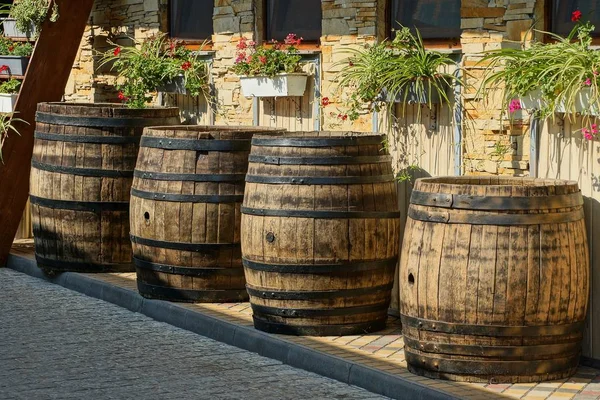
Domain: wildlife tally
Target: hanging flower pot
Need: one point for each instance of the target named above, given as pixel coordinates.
(9, 26)
(7, 102)
(413, 95)
(584, 102)
(282, 85)
(13, 65)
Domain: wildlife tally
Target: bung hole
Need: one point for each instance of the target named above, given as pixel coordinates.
(146, 215)
(411, 279)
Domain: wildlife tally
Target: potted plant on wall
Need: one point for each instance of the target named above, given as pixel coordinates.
(398, 71)
(154, 64)
(9, 91)
(560, 76)
(26, 18)
(272, 70)
(14, 57)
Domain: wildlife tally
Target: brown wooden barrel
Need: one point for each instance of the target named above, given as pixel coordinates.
(320, 225)
(185, 212)
(494, 279)
(81, 174)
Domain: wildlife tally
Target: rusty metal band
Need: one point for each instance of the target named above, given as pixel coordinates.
(188, 198)
(316, 295)
(191, 295)
(339, 160)
(187, 271)
(259, 310)
(87, 139)
(504, 352)
(195, 144)
(76, 205)
(165, 176)
(317, 142)
(449, 217)
(195, 247)
(93, 172)
(491, 330)
(81, 266)
(328, 269)
(319, 180)
(319, 330)
(320, 214)
(468, 202)
(103, 122)
(490, 367)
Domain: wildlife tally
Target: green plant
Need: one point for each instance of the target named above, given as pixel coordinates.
(6, 126)
(267, 60)
(10, 86)
(30, 14)
(152, 63)
(559, 70)
(10, 48)
(396, 69)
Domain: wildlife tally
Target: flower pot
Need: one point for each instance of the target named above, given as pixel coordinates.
(16, 65)
(177, 85)
(282, 85)
(533, 101)
(428, 95)
(9, 25)
(7, 102)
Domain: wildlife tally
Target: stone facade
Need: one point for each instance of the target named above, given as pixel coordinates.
(490, 145)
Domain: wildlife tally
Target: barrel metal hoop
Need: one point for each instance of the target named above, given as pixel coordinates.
(191, 295)
(93, 172)
(491, 330)
(260, 310)
(187, 271)
(315, 295)
(340, 160)
(82, 266)
(319, 180)
(188, 198)
(449, 217)
(195, 247)
(468, 202)
(317, 142)
(320, 214)
(319, 330)
(490, 367)
(165, 176)
(195, 144)
(102, 122)
(77, 205)
(87, 139)
(329, 269)
(504, 352)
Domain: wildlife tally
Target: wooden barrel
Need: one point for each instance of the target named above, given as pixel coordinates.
(494, 279)
(320, 225)
(185, 212)
(82, 169)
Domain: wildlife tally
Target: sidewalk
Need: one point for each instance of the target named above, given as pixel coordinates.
(374, 361)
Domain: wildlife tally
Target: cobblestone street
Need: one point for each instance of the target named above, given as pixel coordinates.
(59, 344)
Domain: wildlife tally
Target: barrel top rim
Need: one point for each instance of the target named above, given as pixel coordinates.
(496, 180)
(312, 135)
(217, 128)
(104, 105)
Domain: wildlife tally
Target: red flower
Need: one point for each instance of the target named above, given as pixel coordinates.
(186, 65)
(576, 16)
(4, 68)
(343, 117)
(117, 51)
(263, 59)
(242, 44)
(325, 101)
(11, 48)
(122, 96)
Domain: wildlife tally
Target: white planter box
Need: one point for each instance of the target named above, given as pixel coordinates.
(533, 101)
(282, 85)
(7, 102)
(9, 25)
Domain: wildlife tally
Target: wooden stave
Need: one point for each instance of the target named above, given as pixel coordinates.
(367, 321)
(573, 231)
(81, 250)
(223, 284)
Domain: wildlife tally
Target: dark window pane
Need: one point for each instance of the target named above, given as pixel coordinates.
(302, 17)
(562, 10)
(192, 19)
(435, 19)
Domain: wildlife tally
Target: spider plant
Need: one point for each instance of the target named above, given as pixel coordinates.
(6, 126)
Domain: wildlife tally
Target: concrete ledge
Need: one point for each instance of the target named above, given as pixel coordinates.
(243, 337)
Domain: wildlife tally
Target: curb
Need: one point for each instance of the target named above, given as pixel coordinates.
(295, 355)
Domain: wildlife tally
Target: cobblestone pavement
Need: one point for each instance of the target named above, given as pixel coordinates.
(59, 344)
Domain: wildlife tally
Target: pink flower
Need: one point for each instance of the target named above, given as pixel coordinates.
(576, 16)
(588, 136)
(515, 105)
(242, 44)
(252, 43)
(240, 57)
(325, 101)
(587, 82)
(292, 39)
(594, 128)
(262, 59)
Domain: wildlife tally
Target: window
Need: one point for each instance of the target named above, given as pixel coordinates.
(435, 19)
(191, 19)
(302, 17)
(561, 14)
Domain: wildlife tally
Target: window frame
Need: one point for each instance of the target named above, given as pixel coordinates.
(549, 24)
(192, 44)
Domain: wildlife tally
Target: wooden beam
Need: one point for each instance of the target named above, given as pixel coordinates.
(45, 80)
